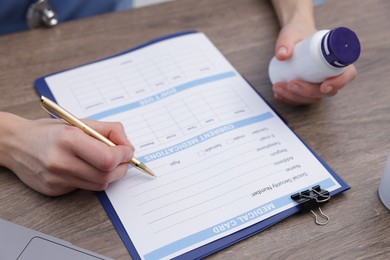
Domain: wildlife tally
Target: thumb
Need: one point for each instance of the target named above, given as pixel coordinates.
(284, 46)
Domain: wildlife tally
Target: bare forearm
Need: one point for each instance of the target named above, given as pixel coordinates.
(7, 130)
(291, 11)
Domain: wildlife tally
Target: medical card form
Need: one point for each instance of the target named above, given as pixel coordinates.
(226, 163)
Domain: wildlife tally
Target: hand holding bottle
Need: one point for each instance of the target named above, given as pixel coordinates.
(299, 90)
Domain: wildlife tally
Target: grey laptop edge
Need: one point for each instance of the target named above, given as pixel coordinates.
(21, 243)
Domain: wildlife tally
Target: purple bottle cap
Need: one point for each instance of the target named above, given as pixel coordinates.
(340, 47)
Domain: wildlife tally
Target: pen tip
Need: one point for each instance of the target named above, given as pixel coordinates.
(150, 173)
(146, 170)
(141, 166)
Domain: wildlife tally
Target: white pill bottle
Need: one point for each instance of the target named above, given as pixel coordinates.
(322, 55)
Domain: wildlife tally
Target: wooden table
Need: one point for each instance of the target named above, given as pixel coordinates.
(350, 131)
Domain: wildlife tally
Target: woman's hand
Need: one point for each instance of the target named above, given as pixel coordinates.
(297, 22)
(298, 92)
(54, 158)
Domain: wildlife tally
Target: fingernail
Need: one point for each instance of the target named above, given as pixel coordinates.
(295, 88)
(327, 89)
(279, 90)
(282, 51)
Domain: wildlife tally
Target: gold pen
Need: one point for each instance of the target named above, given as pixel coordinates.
(59, 112)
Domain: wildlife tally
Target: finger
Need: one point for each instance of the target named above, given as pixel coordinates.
(284, 46)
(70, 185)
(79, 176)
(112, 130)
(57, 191)
(288, 37)
(337, 83)
(305, 89)
(97, 153)
(282, 94)
(75, 167)
(99, 180)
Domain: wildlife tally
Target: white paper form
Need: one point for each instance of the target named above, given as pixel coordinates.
(223, 158)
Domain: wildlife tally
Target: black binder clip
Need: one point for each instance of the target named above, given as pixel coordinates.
(310, 199)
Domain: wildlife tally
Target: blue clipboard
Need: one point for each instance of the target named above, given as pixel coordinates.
(43, 89)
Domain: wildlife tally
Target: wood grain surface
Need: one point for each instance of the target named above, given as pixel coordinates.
(349, 131)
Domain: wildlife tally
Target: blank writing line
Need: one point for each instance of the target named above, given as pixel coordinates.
(196, 163)
(200, 181)
(201, 214)
(178, 171)
(212, 187)
(236, 188)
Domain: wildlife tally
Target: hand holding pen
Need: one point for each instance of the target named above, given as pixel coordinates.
(55, 158)
(59, 112)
